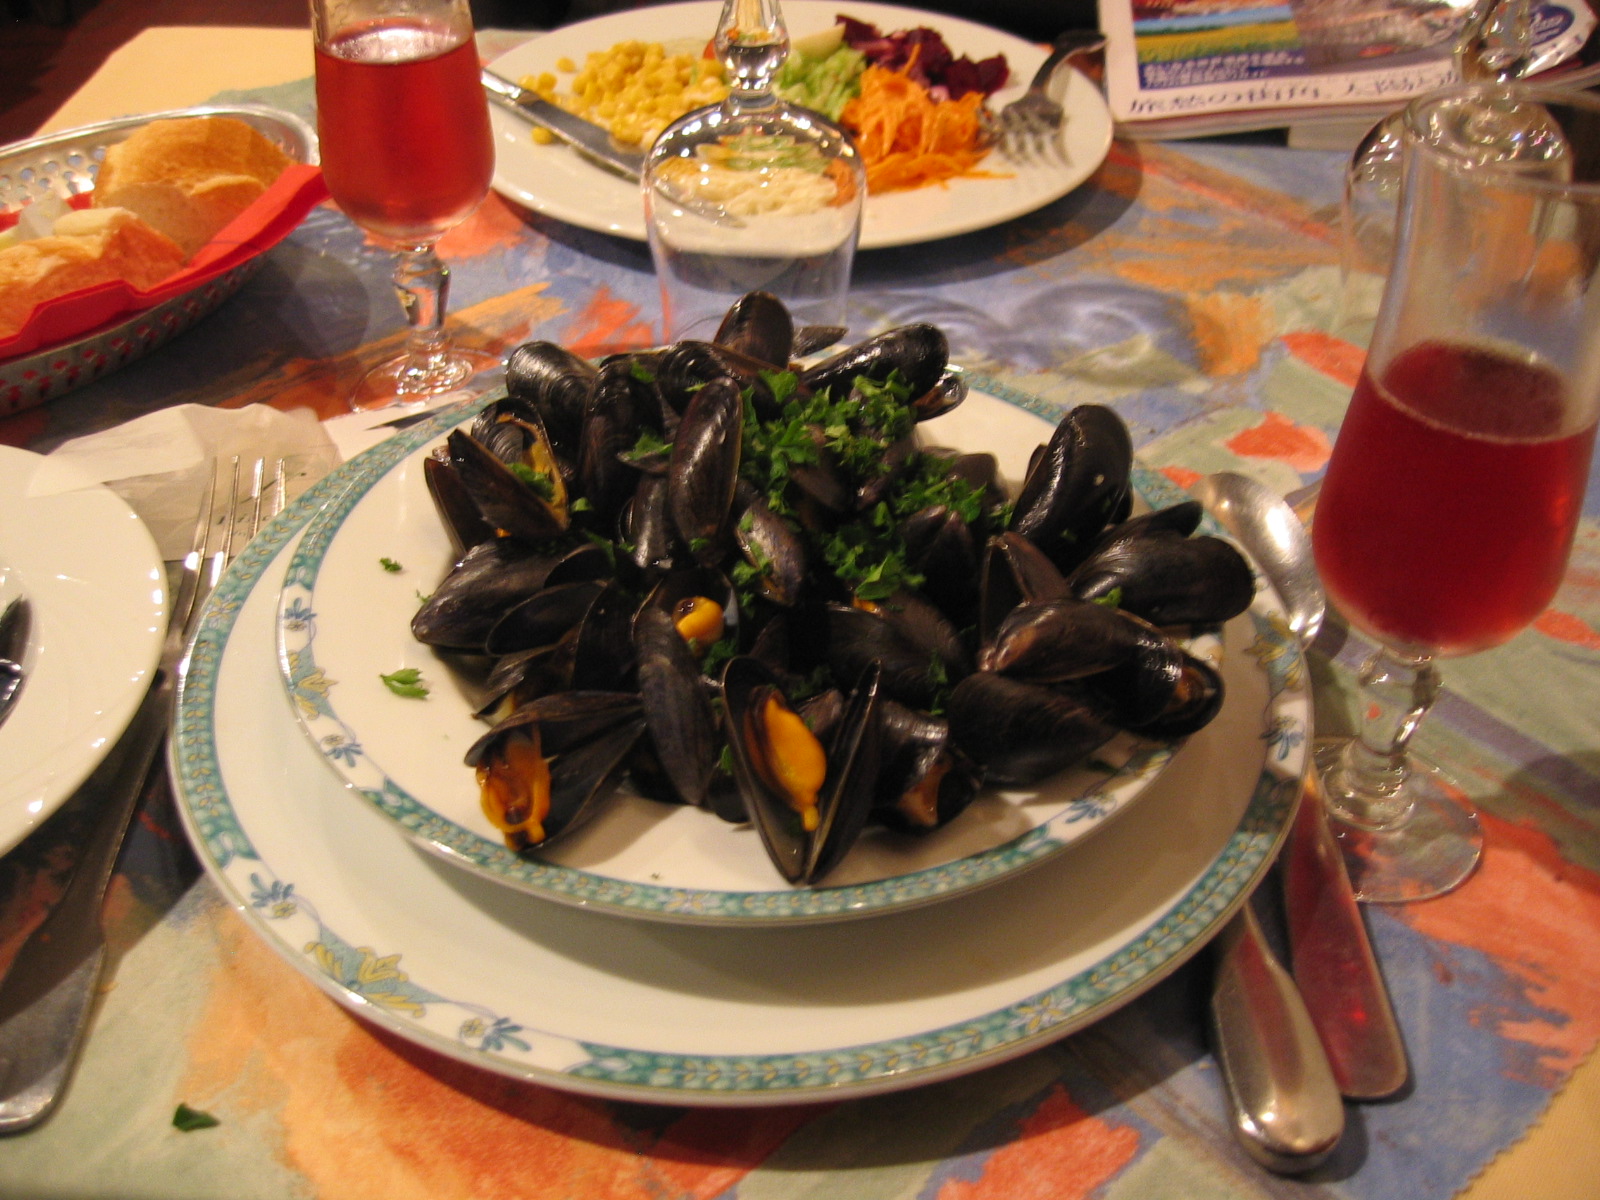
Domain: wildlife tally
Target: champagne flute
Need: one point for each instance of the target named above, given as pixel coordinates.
(1457, 479)
(407, 154)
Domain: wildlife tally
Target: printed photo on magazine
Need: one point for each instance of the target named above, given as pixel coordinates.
(1211, 66)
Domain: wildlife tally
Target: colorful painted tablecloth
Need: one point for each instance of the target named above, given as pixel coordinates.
(1192, 287)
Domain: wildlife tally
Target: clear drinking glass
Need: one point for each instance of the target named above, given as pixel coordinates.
(1494, 45)
(753, 194)
(1457, 479)
(407, 154)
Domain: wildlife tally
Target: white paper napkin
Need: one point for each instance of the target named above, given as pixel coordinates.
(159, 463)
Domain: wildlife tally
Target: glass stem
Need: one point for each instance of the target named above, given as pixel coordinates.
(423, 282)
(1496, 43)
(1367, 788)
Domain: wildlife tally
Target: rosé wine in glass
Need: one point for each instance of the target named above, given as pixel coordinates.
(1456, 483)
(408, 154)
(1477, 544)
(406, 147)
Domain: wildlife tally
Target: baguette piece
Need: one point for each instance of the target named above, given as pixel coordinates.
(88, 247)
(189, 176)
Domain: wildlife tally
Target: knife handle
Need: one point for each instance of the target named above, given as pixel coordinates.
(47, 995)
(1333, 962)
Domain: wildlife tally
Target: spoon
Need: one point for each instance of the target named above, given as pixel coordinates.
(1285, 1106)
(1331, 954)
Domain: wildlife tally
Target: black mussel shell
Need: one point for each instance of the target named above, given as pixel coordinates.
(493, 578)
(1075, 487)
(1169, 579)
(552, 382)
(542, 618)
(771, 546)
(704, 469)
(618, 408)
(924, 782)
(918, 352)
(602, 655)
(1054, 640)
(943, 396)
(1015, 571)
(460, 516)
(678, 712)
(810, 339)
(912, 672)
(1019, 733)
(649, 528)
(759, 325)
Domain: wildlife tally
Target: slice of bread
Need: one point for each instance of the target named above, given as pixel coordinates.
(88, 247)
(188, 177)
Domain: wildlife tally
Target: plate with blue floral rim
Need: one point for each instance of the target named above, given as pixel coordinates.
(685, 1014)
(345, 610)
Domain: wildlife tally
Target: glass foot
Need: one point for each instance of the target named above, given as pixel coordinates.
(1428, 853)
(409, 378)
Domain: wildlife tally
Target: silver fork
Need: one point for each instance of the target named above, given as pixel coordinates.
(1029, 127)
(47, 996)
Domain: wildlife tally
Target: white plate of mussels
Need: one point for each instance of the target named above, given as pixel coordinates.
(397, 719)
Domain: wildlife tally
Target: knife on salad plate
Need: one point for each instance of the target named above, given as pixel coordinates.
(587, 137)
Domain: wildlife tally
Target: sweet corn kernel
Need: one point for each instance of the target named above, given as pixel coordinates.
(634, 89)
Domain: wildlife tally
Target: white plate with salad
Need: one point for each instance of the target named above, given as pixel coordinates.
(556, 181)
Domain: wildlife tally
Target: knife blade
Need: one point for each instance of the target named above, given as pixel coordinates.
(587, 137)
(15, 623)
(1332, 960)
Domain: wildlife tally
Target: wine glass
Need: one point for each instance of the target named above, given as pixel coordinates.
(1458, 476)
(753, 194)
(1494, 44)
(407, 154)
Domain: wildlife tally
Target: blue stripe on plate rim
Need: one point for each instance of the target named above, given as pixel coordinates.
(475, 1034)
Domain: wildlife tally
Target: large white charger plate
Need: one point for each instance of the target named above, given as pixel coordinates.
(557, 181)
(640, 1010)
(98, 593)
(345, 621)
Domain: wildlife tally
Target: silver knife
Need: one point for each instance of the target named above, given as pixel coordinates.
(586, 136)
(14, 626)
(1333, 961)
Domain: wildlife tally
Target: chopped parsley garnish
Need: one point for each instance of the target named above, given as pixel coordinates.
(389, 565)
(406, 682)
(189, 1119)
(540, 481)
(650, 445)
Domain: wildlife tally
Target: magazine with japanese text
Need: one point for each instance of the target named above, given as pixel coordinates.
(1191, 67)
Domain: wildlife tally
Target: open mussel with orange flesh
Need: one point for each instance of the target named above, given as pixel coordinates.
(550, 765)
(808, 802)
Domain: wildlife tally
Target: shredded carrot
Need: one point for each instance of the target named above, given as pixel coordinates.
(907, 138)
